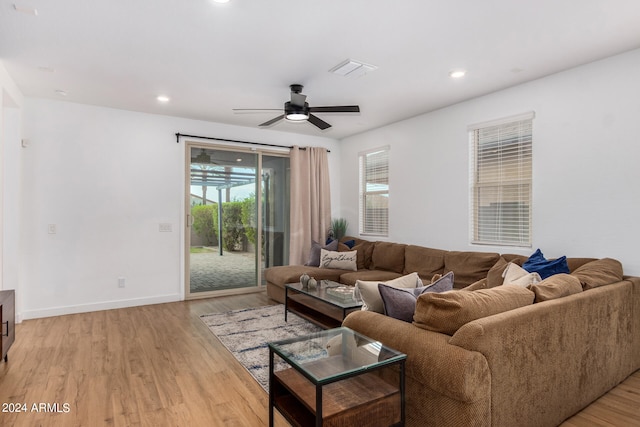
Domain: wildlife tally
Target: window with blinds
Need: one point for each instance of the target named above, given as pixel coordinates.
(500, 181)
(374, 192)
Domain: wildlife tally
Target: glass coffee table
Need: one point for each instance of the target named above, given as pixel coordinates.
(330, 378)
(323, 305)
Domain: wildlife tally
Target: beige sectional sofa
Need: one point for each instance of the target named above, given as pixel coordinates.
(543, 358)
(386, 260)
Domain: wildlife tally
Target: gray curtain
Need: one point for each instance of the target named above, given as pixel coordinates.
(310, 201)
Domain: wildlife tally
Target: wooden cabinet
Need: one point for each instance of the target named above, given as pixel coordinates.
(7, 320)
(362, 400)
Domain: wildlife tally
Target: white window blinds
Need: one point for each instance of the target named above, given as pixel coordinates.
(374, 192)
(500, 181)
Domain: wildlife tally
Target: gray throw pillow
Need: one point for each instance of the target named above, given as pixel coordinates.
(314, 254)
(400, 303)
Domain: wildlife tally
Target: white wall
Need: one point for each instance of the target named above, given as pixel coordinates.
(586, 192)
(10, 163)
(107, 178)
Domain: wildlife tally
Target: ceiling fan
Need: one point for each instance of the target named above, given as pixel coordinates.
(298, 110)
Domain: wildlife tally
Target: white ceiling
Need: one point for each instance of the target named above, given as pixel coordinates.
(210, 58)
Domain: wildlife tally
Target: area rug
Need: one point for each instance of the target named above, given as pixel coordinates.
(245, 333)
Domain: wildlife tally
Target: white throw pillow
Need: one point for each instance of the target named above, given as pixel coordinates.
(370, 295)
(513, 274)
(339, 260)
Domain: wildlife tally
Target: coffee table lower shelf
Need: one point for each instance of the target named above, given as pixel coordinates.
(364, 399)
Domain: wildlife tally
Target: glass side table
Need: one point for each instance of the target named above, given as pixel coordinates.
(331, 380)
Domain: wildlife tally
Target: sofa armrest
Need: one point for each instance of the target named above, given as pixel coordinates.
(551, 359)
(444, 368)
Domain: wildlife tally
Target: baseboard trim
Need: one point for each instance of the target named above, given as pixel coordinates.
(107, 305)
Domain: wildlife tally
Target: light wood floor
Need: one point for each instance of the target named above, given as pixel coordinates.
(159, 365)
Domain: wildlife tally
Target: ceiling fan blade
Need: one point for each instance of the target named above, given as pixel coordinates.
(250, 110)
(336, 109)
(317, 121)
(298, 99)
(272, 121)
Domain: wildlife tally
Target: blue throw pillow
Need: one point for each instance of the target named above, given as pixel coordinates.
(537, 263)
(350, 243)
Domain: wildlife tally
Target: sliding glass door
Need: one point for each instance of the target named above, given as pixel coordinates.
(237, 211)
(275, 210)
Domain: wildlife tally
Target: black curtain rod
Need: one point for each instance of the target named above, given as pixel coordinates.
(178, 135)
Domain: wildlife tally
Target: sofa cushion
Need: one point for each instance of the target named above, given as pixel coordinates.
(448, 311)
(537, 263)
(340, 260)
(400, 303)
(281, 275)
(575, 263)
(480, 284)
(425, 261)
(365, 250)
(314, 254)
(556, 286)
(370, 295)
(469, 267)
(599, 272)
(351, 277)
(515, 258)
(388, 256)
(494, 275)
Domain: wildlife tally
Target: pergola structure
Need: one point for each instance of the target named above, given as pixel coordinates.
(222, 175)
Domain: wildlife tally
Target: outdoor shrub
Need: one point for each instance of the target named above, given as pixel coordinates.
(232, 228)
(203, 222)
(249, 218)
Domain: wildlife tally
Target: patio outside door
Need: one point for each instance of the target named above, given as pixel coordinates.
(228, 191)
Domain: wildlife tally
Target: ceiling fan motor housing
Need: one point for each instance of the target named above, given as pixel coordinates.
(295, 112)
(290, 108)
(296, 88)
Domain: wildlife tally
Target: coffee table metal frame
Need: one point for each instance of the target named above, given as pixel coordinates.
(316, 305)
(348, 368)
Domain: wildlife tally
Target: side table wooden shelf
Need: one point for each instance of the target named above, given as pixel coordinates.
(338, 389)
(7, 321)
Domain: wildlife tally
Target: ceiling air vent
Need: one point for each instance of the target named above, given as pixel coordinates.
(352, 68)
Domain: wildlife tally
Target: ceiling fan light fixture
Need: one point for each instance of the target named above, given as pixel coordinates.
(296, 117)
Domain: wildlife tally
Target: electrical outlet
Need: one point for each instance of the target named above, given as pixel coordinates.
(121, 282)
(52, 228)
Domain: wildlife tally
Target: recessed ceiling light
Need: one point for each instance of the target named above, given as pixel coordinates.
(221, 1)
(163, 98)
(457, 74)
